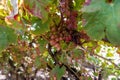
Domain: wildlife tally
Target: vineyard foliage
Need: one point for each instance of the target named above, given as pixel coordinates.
(78, 39)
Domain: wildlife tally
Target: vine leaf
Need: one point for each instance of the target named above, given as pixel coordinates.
(59, 72)
(78, 4)
(42, 44)
(37, 61)
(38, 27)
(102, 19)
(37, 8)
(7, 36)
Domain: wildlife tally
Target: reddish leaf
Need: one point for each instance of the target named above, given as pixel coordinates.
(37, 8)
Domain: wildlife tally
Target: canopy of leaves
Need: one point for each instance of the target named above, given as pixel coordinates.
(48, 36)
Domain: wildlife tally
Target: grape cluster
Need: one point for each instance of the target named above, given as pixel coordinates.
(67, 12)
(66, 29)
(64, 7)
(71, 21)
(58, 35)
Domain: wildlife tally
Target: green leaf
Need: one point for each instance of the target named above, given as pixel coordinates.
(37, 61)
(42, 44)
(113, 34)
(96, 32)
(17, 26)
(63, 45)
(89, 78)
(93, 59)
(78, 4)
(94, 27)
(59, 72)
(113, 79)
(39, 27)
(77, 53)
(102, 19)
(7, 36)
(62, 58)
(1, 55)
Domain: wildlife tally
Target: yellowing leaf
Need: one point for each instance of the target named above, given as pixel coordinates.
(45, 54)
(109, 54)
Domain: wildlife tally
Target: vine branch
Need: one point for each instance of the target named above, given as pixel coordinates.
(57, 62)
(85, 50)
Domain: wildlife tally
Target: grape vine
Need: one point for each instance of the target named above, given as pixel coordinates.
(72, 39)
